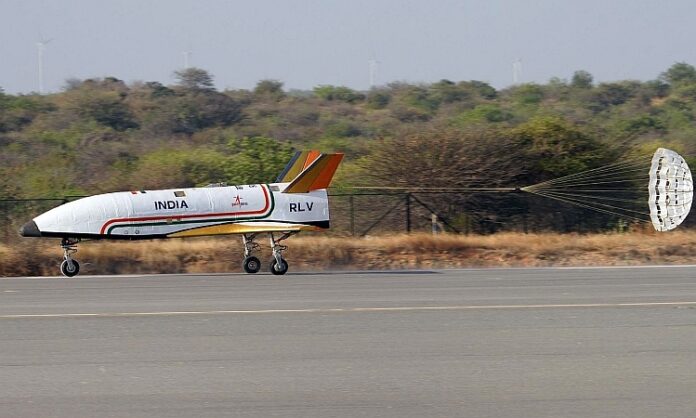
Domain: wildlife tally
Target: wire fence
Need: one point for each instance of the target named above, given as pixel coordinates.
(361, 214)
(375, 213)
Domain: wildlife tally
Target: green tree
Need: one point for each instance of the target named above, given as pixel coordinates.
(612, 94)
(272, 88)
(483, 113)
(444, 158)
(194, 79)
(378, 99)
(529, 93)
(484, 90)
(194, 112)
(108, 109)
(158, 90)
(680, 73)
(581, 80)
(555, 148)
(103, 101)
(168, 168)
(256, 160)
(446, 91)
(18, 112)
(339, 93)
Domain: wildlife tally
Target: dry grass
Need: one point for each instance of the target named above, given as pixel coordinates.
(40, 257)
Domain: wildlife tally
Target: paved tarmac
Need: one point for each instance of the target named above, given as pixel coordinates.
(615, 342)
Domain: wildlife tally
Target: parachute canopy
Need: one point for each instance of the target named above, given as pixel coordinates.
(619, 189)
(671, 190)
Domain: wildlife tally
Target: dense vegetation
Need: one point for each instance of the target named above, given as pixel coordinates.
(104, 135)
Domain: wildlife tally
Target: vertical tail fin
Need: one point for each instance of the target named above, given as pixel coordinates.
(299, 161)
(309, 170)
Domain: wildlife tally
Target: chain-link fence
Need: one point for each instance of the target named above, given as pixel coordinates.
(378, 213)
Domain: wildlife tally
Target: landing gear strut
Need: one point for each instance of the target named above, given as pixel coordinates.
(251, 264)
(278, 265)
(69, 267)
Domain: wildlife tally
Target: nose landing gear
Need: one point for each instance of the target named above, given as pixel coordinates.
(69, 267)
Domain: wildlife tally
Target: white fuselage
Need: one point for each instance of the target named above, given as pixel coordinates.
(187, 212)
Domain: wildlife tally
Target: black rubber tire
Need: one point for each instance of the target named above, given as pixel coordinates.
(65, 269)
(279, 270)
(252, 264)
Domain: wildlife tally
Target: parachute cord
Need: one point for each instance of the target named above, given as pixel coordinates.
(598, 204)
(601, 182)
(596, 209)
(634, 163)
(580, 182)
(603, 173)
(614, 199)
(637, 172)
(436, 189)
(590, 207)
(615, 191)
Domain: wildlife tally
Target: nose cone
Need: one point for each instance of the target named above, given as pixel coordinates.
(29, 229)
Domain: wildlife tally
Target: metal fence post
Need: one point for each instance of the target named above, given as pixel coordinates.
(352, 215)
(408, 213)
(5, 221)
(525, 227)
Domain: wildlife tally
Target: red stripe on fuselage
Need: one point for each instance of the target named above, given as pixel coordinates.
(179, 217)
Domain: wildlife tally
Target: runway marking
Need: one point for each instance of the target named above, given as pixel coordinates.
(349, 310)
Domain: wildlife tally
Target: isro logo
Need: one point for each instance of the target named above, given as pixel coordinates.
(238, 202)
(171, 204)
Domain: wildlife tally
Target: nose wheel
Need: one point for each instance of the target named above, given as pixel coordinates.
(69, 267)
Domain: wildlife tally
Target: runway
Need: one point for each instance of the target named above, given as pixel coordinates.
(575, 342)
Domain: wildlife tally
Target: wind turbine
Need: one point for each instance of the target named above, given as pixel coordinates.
(372, 62)
(40, 48)
(516, 71)
(187, 55)
(372, 65)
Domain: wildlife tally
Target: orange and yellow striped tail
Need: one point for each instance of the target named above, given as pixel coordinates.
(309, 170)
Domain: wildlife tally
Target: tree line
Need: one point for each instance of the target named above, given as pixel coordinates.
(100, 135)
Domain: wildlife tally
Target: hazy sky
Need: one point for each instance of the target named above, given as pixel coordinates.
(305, 43)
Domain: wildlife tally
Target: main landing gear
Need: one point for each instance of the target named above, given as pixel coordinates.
(69, 267)
(251, 263)
(278, 264)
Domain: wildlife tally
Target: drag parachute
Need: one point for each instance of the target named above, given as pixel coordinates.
(671, 190)
(620, 189)
(617, 189)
